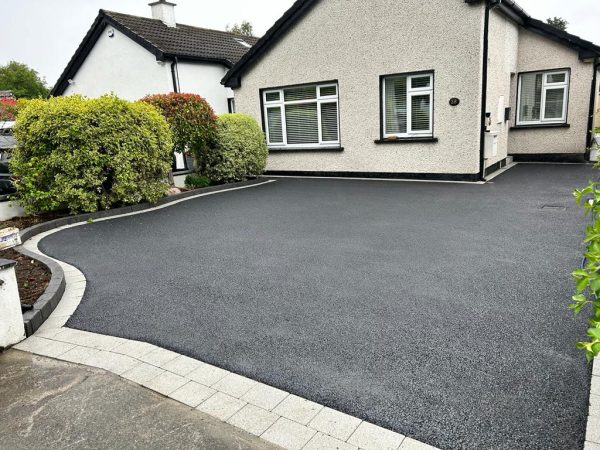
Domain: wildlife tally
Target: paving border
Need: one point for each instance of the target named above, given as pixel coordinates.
(275, 415)
(49, 300)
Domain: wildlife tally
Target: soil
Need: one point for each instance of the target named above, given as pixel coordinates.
(32, 276)
(26, 222)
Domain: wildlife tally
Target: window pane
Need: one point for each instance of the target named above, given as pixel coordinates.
(420, 82)
(531, 97)
(328, 91)
(272, 96)
(275, 125)
(395, 105)
(300, 93)
(421, 106)
(329, 122)
(554, 103)
(302, 124)
(556, 78)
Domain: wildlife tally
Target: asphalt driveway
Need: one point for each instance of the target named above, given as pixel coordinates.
(437, 310)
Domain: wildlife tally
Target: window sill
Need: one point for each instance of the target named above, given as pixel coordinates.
(306, 149)
(541, 125)
(406, 140)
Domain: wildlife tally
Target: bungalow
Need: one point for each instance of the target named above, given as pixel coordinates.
(133, 56)
(443, 89)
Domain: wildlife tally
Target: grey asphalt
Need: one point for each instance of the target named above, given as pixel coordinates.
(47, 404)
(437, 310)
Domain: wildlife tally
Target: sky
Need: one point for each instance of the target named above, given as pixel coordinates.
(44, 34)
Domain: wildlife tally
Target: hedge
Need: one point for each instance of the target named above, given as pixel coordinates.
(85, 155)
(240, 150)
(192, 120)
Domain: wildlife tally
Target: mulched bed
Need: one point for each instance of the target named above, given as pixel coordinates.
(32, 276)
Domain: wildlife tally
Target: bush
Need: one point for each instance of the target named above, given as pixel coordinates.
(195, 181)
(240, 150)
(85, 155)
(8, 109)
(192, 120)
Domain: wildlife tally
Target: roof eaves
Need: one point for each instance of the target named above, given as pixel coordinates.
(279, 28)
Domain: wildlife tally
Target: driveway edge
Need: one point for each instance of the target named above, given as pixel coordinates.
(276, 416)
(49, 300)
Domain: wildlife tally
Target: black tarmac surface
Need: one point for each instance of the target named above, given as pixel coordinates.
(437, 310)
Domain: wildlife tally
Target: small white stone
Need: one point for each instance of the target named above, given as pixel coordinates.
(234, 385)
(334, 423)
(44, 347)
(159, 357)
(298, 409)
(221, 406)
(371, 437)
(207, 374)
(142, 373)
(192, 394)
(135, 349)
(288, 434)
(253, 419)
(166, 383)
(79, 355)
(182, 365)
(112, 362)
(264, 396)
(323, 442)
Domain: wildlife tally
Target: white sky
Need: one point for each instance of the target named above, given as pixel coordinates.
(45, 33)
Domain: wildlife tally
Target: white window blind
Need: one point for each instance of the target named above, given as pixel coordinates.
(543, 97)
(302, 116)
(408, 105)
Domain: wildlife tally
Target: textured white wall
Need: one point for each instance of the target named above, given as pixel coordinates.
(597, 105)
(12, 329)
(355, 41)
(539, 53)
(502, 61)
(205, 80)
(120, 66)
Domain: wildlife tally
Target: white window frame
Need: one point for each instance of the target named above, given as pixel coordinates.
(546, 86)
(281, 104)
(410, 93)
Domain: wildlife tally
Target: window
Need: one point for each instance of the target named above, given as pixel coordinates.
(302, 116)
(543, 97)
(407, 105)
(231, 105)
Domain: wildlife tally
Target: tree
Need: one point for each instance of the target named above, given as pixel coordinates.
(244, 29)
(558, 22)
(23, 81)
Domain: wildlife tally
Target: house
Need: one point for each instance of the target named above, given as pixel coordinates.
(442, 89)
(134, 56)
(7, 95)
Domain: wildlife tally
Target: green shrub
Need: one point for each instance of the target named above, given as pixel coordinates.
(192, 120)
(240, 150)
(85, 155)
(194, 181)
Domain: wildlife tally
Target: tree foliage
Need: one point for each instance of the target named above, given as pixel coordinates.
(85, 155)
(244, 28)
(23, 81)
(192, 120)
(558, 22)
(240, 151)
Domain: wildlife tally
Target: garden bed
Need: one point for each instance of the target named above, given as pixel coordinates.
(32, 276)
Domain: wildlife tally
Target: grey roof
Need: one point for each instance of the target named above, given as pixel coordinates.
(185, 41)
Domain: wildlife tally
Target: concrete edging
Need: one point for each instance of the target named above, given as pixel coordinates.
(49, 300)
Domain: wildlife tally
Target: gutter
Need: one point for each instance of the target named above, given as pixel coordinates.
(589, 135)
(484, 85)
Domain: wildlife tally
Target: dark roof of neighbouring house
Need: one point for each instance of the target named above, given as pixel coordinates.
(297, 11)
(183, 42)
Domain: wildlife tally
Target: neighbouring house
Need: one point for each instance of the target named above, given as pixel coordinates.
(133, 56)
(443, 89)
(7, 94)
